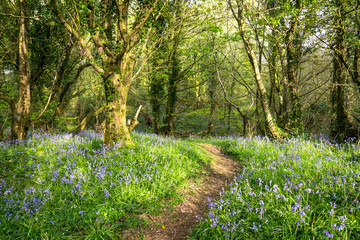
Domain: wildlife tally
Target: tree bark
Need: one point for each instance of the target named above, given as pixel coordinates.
(269, 121)
(340, 122)
(116, 57)
(174, 74)
(284, 103)
(296, 124)
(21, 110)
(355, 68)
(157, 79)
(172, 93)
(116, 90)
(212, 89)
(213, 105)
(156, 92)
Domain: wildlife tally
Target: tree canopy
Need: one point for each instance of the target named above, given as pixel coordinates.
(274, 67)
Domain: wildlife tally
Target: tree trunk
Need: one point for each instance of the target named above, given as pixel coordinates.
(115, 56)
(355, 68)
(1, 132)
(210, 127)
(172, 93)
(213, 103)
(340, 121)
(269, 121)
(356, 75)
(21, 111)
(116, 90)
(284, 103)
(274, 98)
(295, 110)
(157, 90)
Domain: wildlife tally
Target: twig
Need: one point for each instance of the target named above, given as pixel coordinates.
(15, 16)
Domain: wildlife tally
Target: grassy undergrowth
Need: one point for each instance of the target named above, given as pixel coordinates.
(297, 189)
(63, 187)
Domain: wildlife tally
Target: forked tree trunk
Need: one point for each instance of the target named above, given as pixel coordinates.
(210, 127)
(21, 109)
(115, 56)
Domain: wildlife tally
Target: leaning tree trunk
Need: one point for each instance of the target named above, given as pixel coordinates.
(21, 110)
(269, 121)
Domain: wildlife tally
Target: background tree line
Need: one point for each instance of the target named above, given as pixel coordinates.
(272, 67)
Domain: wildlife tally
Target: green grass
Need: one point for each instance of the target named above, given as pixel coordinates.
(63, 187)
(297, 189)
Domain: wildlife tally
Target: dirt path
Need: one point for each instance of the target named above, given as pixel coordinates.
(177, 223)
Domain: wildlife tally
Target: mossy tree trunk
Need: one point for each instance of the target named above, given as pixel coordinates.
(296, 124)
(20, 108)
(21, 112)
(157, 92)
(340, 121)
(172, 93)
(174, 71)
(114, 39)
(355, 74)
(117, 86)
(157, 74)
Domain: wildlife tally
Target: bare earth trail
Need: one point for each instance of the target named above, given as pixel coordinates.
(176, 224)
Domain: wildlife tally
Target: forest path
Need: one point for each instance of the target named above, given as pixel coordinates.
(177, 223)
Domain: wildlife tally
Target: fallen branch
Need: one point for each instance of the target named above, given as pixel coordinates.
(87, 119)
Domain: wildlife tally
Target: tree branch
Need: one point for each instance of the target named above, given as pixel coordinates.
(76, 34)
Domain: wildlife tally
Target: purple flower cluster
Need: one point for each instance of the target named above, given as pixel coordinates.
(69, 178)
(297, 184)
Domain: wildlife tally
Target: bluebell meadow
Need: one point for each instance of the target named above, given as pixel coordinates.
(301, 188)
(59, 186)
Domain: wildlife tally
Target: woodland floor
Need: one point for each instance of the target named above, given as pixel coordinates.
(176, 222)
